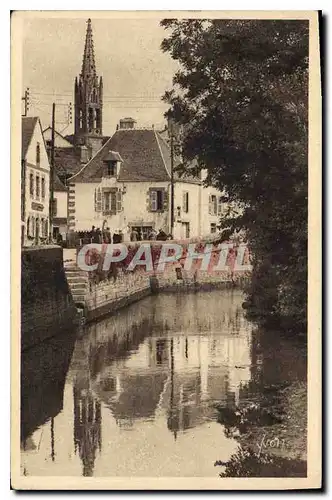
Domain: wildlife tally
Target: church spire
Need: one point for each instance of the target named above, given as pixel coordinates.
(88, 64)
(88, 99)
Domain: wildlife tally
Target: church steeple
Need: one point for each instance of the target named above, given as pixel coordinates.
(88, 99)
(88, 64)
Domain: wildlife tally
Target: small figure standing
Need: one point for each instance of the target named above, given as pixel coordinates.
(153, 235)
(134, 235)
(161, 236)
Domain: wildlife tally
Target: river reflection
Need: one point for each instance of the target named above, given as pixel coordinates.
(144, 390)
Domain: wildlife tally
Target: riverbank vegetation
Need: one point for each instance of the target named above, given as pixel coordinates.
(239, 106)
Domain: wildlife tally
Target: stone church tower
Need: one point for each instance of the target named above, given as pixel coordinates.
(88, 100)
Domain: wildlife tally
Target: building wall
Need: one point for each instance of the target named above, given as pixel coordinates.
(61, 213)
(44, 289)
(189, 220)
(135, 208)
(36, 207)
(134, 212)
(62, 200)
(214, 217)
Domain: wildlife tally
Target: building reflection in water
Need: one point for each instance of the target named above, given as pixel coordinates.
(162, 363)
(87, 429)
(43, 374)
(189, 355)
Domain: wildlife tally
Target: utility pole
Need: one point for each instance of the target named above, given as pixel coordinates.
(172, 180)
(26, 100)
(51, 206)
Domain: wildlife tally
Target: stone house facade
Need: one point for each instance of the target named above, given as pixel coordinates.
(35, 187)
(127, 185)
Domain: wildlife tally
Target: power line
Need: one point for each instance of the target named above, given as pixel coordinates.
(105, 97)
(126, 106)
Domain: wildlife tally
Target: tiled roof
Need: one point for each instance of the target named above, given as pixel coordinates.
(28, 127)
(146, 157)
(67, 161)
(57, 184)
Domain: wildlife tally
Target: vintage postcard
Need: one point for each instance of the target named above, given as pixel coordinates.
(166, 250)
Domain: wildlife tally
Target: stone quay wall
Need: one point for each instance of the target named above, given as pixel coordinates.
(47, 307)
(109, 295)
(102, 292)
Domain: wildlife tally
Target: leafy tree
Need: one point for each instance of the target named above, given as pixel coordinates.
(240, 97)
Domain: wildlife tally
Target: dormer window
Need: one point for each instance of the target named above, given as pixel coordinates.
(111, 164)
(110, 168)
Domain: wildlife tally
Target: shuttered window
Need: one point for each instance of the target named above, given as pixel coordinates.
(219, 205)
(119, 201)
(153, 201)
(98, 200)
(31, 185)
(111, 201)
(213, 204)
(185, 202)
(158, 200)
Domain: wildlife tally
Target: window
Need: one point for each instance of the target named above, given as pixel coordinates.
(219, 205)
(55, 207)
(38, 154)
(185, 202)
(31, 185)
(31, 227)
(37, 186)
(108, 201)
(110, 169)
(213, 205)
(157, 200)
(43, 187)
(213, 228)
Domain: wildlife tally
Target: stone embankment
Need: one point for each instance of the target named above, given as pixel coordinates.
(97, 294)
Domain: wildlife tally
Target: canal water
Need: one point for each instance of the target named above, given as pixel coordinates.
(175, 385)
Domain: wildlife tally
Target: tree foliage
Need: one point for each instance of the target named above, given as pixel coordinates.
(240, 96)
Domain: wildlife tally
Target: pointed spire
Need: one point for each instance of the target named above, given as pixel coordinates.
(88, 65)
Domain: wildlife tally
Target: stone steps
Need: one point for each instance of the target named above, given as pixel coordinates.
(78, 282)
(77, 279)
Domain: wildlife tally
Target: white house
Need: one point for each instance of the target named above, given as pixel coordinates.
(35, 170)
(127, 185)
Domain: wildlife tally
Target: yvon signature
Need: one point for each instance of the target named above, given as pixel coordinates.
(274, 442)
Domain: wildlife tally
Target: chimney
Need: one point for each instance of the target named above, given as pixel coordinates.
(127, 123)
(84, 154)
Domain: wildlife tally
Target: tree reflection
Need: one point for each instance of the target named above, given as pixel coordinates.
(247, 463)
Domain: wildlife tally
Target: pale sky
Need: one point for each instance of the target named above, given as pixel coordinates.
(127, 52)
